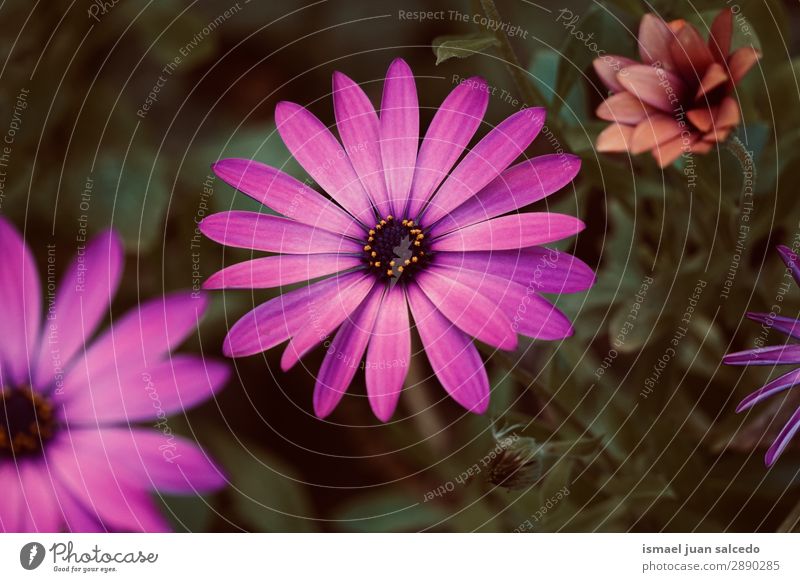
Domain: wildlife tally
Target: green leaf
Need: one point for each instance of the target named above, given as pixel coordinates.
(267, 496)
(462, 45)
(188, 513)
(389, 512)
(133, 191)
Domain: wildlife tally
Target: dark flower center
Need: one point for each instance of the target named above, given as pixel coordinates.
(26, 422)
(396, 249)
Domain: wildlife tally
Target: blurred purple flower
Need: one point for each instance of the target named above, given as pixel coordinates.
(402, 230)
(785, 354)
(69, 458)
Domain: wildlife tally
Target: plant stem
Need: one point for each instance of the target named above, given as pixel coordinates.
(529, 92)
(745, 158)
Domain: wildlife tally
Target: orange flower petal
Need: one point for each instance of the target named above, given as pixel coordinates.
(714, 77)
(728, 113)
(607, 68)
(741, 61)
(717, 135)
(719, 41)
(654, 40)
(624, 108)
(614, 138)
(654, 130)
(690, 53)
(701, 147)
(676, 25)
(701, 118)
(657, 87)
(666, 153)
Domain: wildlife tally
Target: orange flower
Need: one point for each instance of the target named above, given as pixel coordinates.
(680, 99)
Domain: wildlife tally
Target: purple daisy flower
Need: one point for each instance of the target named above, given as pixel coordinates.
(785, 354)
(68, 457)
(407, 225)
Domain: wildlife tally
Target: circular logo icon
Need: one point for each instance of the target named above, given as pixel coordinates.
(31, 555)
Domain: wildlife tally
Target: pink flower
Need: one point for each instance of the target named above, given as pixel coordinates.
(407, 225)
(680, 99)
(69, 457)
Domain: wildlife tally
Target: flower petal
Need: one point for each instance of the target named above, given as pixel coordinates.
(792, 261)
(770, 389)
(286, 195)
(452, 355)
(701, 118)
(275, 234)
(545, 270)
(607, 68)
(81, 302)
(150, 459)
(727, 115)
(451, 130)
(787, 325)
(322, 156)
(690, 54)
(77, 518)
(161, 389)
(40, 506)
(782, 441)
(472, 312)
(715, 76)
(767, 356)
(139, 339)
(517, 187)
(655, 38)
(12, 502)
(493, 154)
(624, 108)
(654, 130)
(324, 318)
(530, 315)
(278, 319)
(399, 132)
(279, 270)
(669, 151)
(344, 355)
(388, 354)
(98, 489)
(511, 232)
(654, 86)
(359, 129)
(719, 41)
(21, 297)
(741, 61)
(615, 138)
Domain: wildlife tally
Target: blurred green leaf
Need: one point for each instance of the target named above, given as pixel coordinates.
(389, 512)
(462, 45)
(266, 494)
(188, 513)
